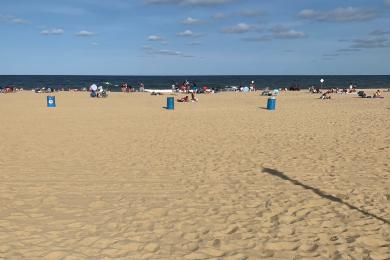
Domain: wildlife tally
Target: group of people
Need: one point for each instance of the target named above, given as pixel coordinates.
(10, 89)
(97, 92)
(126, 88)
(188, 87)
(187, 99)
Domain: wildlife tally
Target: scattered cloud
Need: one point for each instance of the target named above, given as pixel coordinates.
(246, 13)
(66, 10)
(348, 50)
(220, 16)
(194, 43)
(19, 21)
(371, 43)
(168, 52)
(282, 32)
(85, 34)
(190, 2)
(12, 19)
(238, 28)
(164, 52)
(380, 32)
(191, 21)
(155, 38)
(342, 52)
(49, 32)
(147, 47)
(250, 13)
(262, 38)
(341, 14)
(189, 34)
(331, 55)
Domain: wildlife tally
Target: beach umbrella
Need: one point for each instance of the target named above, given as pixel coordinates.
(93, 87)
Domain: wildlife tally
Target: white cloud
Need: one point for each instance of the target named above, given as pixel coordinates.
(191, 21)
(155, 38)
(164, 52)
(85, 33)
(168, 52)
(238, 28)
(286, 33)
(19, 21)
(12, 19)
(52, 32)
(340, 14)
(189, 34)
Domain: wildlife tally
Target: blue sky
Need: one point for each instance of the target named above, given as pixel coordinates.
(194, 37)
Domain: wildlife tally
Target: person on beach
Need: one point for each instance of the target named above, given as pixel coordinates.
(325, 96)
(184, 99)
(193, 98)
(124, 87)
(252, 86)
(378, 94)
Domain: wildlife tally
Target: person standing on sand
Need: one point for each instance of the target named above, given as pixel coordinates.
(193, 98)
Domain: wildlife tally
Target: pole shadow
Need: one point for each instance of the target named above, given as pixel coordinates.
(322, 194)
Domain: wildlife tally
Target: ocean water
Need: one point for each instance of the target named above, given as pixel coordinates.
(161, 82)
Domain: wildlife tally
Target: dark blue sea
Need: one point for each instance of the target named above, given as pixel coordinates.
(165, 82)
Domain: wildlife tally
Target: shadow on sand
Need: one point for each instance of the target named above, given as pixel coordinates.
(320, 193)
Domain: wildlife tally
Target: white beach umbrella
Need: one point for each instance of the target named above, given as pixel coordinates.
(93, 87)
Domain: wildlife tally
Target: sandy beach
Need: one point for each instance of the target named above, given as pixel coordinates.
(223, 178)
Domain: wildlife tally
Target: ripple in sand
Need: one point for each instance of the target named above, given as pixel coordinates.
(196, 256)
(152, 247)
(213, 252)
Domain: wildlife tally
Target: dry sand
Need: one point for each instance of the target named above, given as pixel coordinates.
(122, 178)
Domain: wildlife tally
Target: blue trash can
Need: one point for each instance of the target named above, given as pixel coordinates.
(171, 103)
(51, 101)
(271, 104)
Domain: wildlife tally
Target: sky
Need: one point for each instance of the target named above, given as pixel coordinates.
(195, 37)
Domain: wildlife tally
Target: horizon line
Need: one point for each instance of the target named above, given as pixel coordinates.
(192, 75)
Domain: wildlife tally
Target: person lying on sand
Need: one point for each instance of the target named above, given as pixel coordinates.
(325, 96)
(184, 99)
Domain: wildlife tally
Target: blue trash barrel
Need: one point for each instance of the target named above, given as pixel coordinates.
(271, 104)
(51, 101)
(171, 103)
